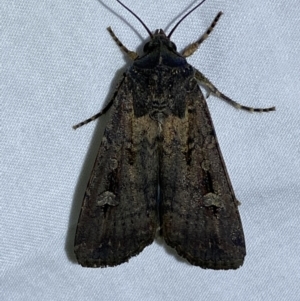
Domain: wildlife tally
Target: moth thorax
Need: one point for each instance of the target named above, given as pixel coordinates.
(160, 109)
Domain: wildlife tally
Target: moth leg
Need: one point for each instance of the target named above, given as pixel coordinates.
(212, 89)
(189, 50)
(76, 126)
(106, 108)
(133, 55)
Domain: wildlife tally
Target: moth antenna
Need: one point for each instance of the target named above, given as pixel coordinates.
(169, 35)
(149, 32)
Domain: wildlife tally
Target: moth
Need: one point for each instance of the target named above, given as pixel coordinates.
(159, 166)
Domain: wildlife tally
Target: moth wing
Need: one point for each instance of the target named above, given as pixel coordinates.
(199, 211)
(118, 218)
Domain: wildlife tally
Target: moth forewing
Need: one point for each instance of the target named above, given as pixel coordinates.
(199, 209)
(118, 216)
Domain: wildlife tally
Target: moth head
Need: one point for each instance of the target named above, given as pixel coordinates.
(159, 39)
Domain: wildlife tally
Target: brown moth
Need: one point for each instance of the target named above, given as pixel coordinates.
(159, 166)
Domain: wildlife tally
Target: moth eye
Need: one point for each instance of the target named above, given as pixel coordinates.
(146, 47)
(172, 46)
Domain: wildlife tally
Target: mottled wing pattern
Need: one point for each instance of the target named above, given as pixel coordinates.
(199, 212)
(118, 218)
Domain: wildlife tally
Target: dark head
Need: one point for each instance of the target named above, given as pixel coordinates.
(160, 50)
(159, 40)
